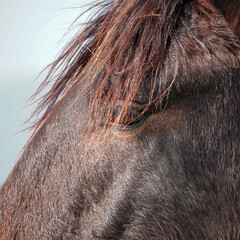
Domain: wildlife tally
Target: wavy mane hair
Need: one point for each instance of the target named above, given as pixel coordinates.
(129, 41)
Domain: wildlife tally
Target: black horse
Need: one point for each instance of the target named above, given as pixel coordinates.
(139, 138)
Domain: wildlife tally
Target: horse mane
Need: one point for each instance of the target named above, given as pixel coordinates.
(111, 57)
(231, 12)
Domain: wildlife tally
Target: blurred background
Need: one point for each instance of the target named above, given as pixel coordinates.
(31, 37)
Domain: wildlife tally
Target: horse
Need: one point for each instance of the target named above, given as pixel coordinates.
(138, 136)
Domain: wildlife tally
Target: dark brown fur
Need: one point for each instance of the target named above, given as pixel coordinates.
(172, 63)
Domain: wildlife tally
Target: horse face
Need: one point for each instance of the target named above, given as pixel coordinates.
(144, 147)
(170, 174)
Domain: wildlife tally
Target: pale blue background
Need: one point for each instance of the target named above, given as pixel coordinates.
(31, 37)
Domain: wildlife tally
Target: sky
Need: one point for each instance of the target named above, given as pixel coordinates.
(32, 35)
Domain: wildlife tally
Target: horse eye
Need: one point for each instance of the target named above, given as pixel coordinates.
(135, 123)
(134, 118)
(131, 123)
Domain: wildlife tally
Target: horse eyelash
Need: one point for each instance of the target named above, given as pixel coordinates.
(134, 121)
